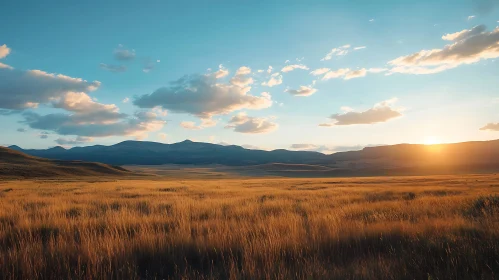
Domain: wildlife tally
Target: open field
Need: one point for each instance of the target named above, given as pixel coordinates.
(434, 227)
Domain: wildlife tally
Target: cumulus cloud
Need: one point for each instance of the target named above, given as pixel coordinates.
(204, 124)
(73, 141)
(289, 68)
(381, 112)
(26, 89)
(275, 79)
(222, 72)
(491, 126)
(204, 97)
(302, 91)
(4, 51)
(124, 54)
(75, 124)
(241, 78)
(320, 71)
(466, 47)
(244, 124)
(113, 68)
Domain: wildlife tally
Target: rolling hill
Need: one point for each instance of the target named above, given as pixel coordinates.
(402, 159)
(14, 164)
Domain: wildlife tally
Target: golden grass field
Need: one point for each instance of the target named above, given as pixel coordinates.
(435, 227)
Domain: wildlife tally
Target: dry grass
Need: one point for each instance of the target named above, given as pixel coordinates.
(440, 227)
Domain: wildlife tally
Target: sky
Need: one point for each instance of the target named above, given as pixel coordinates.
(326, 76)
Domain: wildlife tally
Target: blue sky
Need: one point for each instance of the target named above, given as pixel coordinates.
(381, 83)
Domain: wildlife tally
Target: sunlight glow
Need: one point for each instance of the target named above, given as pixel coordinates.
(432, 140)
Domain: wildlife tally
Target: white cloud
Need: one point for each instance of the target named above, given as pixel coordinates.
(371, 20)
(4, 51)
(204, 124)
(377, 70)
(466, 47)
(491, 127)
(26, 89)
(355, 74)
(123, 54)
(275, 79)
(113, 68)
(340, 51)
(269, 70)
(302, 91)
(126, 100)
(287, 61)
(289, 68)
(204, 97)
(381, 112)
(76, 141)
(222, 72)
(335, 74)
(244, 124)
(471, 17)
(320, 71)
(241, 78)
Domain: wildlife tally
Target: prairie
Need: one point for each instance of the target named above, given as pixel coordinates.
(431, 227)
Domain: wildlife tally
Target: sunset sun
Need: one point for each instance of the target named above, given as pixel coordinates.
(432, 140)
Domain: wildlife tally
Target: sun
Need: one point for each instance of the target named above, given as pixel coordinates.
(432, 140)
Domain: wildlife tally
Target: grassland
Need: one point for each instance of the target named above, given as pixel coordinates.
(438, 227)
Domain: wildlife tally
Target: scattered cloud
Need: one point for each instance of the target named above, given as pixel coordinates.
(355, 74)
(491, 126)
(204, 97)
(222, 72)
(126, 100)
(26, 89)
(241, 78)
(371, 20)
(289, 68)
(381, 112)
(471, 17)
(287, 61)
(75, 141)
(149, 65)
(92, 126)
(21, 130)
(204, 124)
(124, 54)
(275, 79)
(340, 51)
(466, 47)
(320, 71)
(113, 68)
(302, 91)
(244, 124)
(4, 51)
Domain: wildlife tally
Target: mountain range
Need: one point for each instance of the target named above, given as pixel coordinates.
(479, 156)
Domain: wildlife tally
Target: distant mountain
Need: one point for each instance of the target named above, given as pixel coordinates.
(15, 164)
(186, 152)
(466, 157)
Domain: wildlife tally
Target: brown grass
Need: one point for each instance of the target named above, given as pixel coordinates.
(441, 227)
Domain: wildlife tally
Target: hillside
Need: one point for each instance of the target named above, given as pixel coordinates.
(402, 159)
(14, 164)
